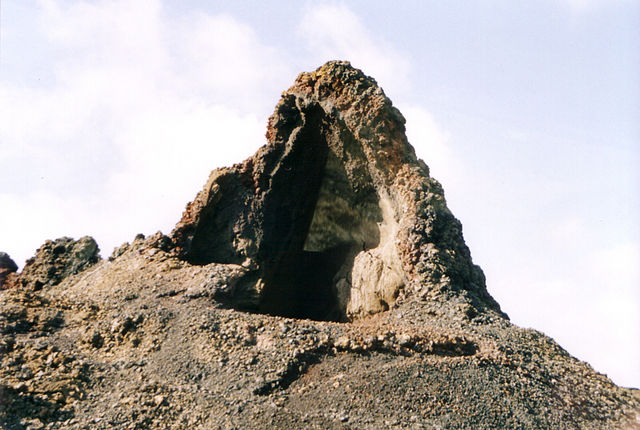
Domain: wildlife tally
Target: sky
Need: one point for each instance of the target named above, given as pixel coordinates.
(112, 114)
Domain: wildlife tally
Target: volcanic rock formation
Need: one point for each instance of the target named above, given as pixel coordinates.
(365, 309)
(335, 216)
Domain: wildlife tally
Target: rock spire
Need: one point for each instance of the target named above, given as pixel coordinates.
(335, 217)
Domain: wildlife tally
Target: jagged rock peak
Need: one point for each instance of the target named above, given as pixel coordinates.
(335, 217)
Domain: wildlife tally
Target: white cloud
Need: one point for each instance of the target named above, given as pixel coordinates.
(228, 63)
(336, 33)
(127, 131)
(581, 6)
(571, 230)
(22, 231)
(593, 312)
(165, 163)
(619, 264)
(430, 141)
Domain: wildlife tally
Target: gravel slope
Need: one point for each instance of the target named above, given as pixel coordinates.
(137, 342)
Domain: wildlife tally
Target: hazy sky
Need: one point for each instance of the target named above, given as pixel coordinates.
(112, 114)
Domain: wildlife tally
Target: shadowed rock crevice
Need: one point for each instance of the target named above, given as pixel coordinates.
(289, 275)
(314, 280)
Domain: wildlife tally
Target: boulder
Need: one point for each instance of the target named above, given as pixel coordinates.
(55, 260)
(8, 269)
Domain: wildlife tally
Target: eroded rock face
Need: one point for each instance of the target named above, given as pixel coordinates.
(335, 216)
(57, 259)
(8, 268)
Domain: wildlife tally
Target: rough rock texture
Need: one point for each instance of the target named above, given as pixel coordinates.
(8, 267)
(55, 260)
(336, 196)
(152, 337)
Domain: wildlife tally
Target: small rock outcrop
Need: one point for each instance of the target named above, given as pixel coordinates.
(8, 268)
(335, 216)
(57, 259)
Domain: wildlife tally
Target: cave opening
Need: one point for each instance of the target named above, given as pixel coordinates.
(306, 220)
(312, 280)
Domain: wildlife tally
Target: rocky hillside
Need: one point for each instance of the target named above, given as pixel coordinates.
(322, 283)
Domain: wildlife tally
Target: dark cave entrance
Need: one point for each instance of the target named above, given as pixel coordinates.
(306, 289)
(310, 279)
